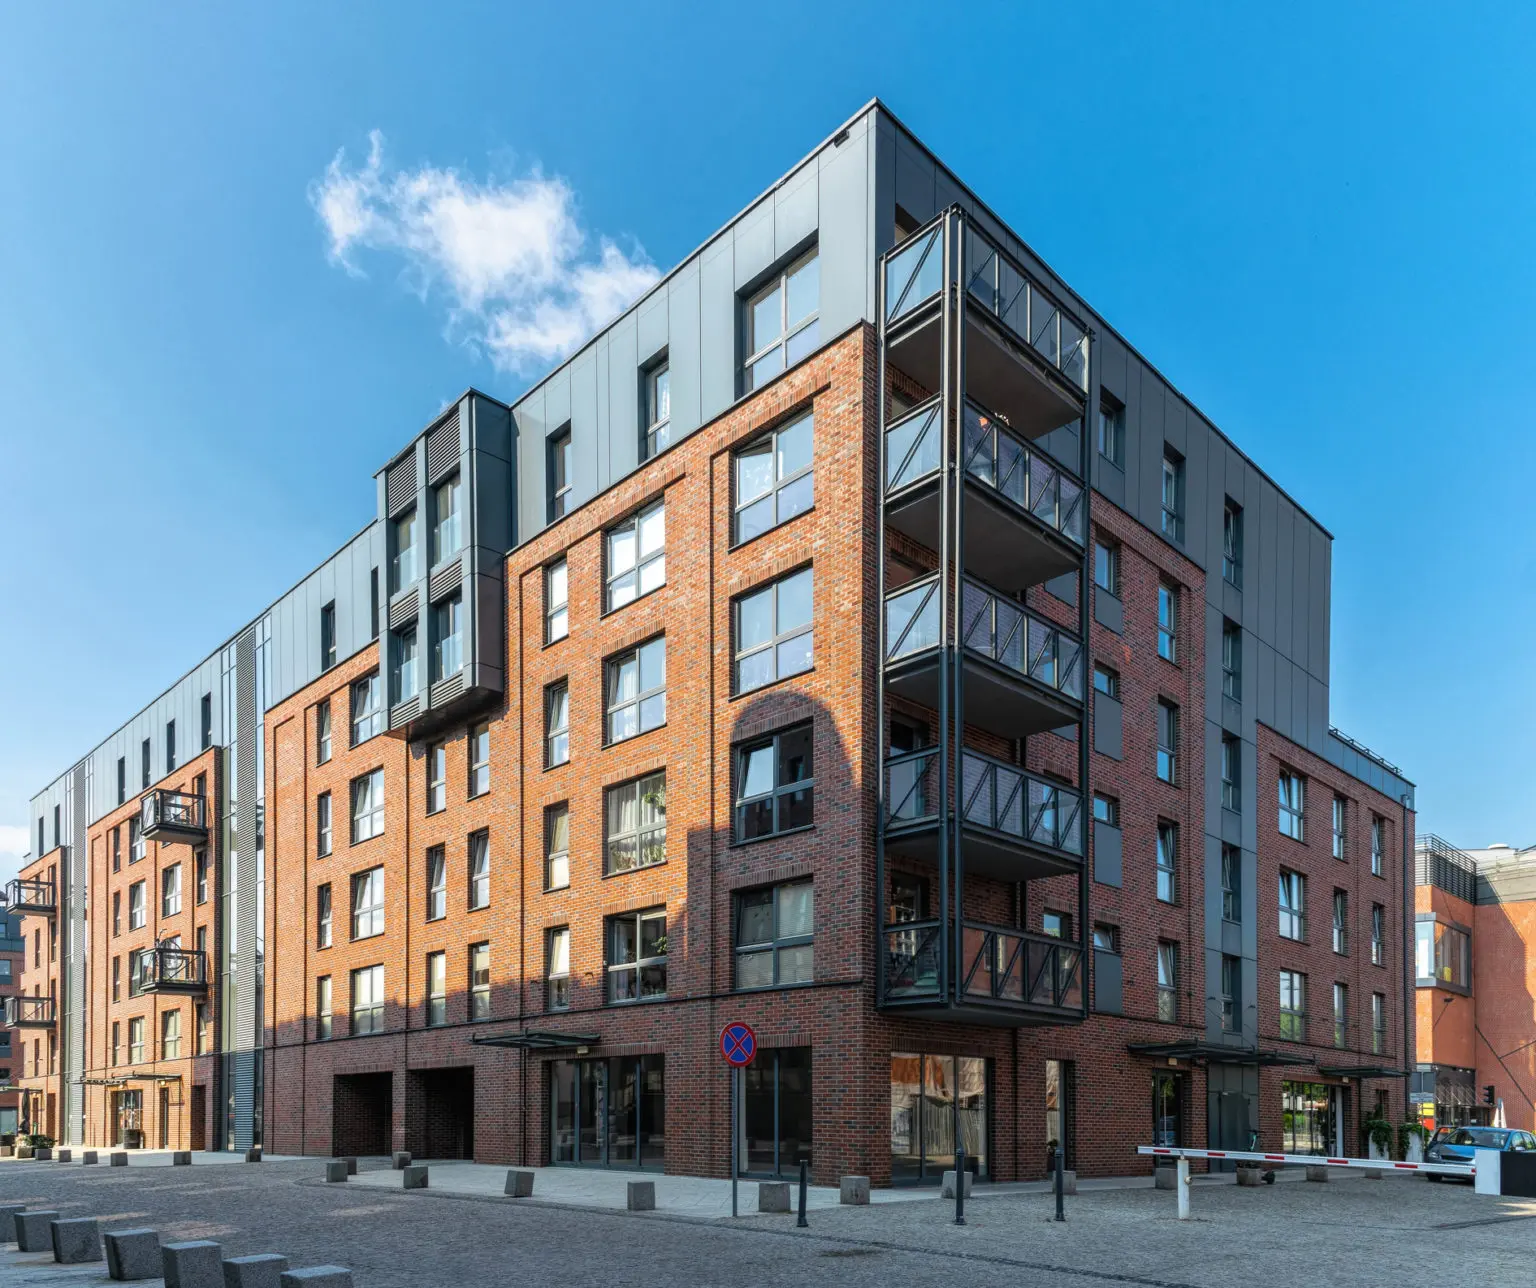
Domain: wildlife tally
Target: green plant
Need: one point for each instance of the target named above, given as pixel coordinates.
(1380, 1133)
(39, 1140)
(1406, 1132)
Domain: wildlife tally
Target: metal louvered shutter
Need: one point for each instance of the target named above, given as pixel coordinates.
(400, 485)
(444, 580)
(443, 447)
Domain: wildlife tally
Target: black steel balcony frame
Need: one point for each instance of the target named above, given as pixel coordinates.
(166, 968)
(166, 815)
(31, 894)
(22, 1012)
(948, 965)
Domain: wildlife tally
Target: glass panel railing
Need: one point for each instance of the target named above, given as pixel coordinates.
(912, 787)
(912, 618)
(1004, 798)
(1004, 632)
(1000, 285)
(1016, 966)
(168, 967)
(912, 959)
(914, 273)
(912, 447)
(29, 893)
(1028, 478)
(164, 808)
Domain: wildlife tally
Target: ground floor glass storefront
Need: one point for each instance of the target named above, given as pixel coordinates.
(932, 1098)
(608, 1113)
(775, 1113)
(1311, 1118)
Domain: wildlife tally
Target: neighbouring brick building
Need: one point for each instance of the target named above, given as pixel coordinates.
(772, 661)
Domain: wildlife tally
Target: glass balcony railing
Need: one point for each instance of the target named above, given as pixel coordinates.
(913, 956)
(1030, 479)
(1016, 966)
(1001, 286)
(912, 447)
(912, 618)
(914, 273)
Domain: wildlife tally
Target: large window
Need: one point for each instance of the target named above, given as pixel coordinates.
(479, 760)
(656, 398)
(775, 479)
(407, 680)
(1168, 622)
(1111, 431)
(781, 322)
(437, 988)
(636, 814)
(1341, 922)
(368, 1000)
(1293, 905)
(368, 903)
(1231, 883)
(774, 928)
(1167, 861)
(1167, 982)
(1232, 542)
(1340, 834)
(136, 915)
(1232, 660)
(774, 633)
(557, 589)
(480, 981)
(1231, 772)
(1340, 1015)
(447, 532)
(437, 883)
(775, 788)
(170, 891)
(1173, 495)
(1167, 741)
(403, 567)
(437, 777)
(1106, 567)
(367, 708)
(557, 847)
(636, 551)
(557, 969)
(776, 1112)
(1231, 992)
(559, 469)
(368, 806)
(1293, 801)
(636, 690)
(1293, 1006)
(1443, 954)
(637, 955)
(480, 870)
(557, 724)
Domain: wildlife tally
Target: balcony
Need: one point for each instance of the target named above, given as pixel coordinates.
(31, 894)
(1024, 354)
(1023, 675)
(166, 968)
(1015, 826)
(1025, 517)
(168, 816)
(1007, 976)
(29, 1012)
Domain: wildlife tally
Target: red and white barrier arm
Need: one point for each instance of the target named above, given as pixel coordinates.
(1310, 1160)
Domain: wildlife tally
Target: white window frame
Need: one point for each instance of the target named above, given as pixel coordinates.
(367, 708)
(437, 777)
(643, 701)
(367, 806)
(137, 913)
(631, 572)
(170, 891)
(479, 860)
(1341, 922)
(325, 916)
(557, 601)
(1340, 828)
(447, 528)
(323, 732)
(323, 834)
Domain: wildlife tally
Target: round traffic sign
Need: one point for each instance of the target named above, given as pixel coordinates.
(738, 1044)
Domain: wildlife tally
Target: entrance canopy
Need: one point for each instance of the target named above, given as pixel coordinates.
(1360, 1071)
(1211, 1053)
(539, 1040)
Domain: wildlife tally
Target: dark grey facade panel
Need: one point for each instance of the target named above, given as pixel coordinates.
(1107, 852)
(1108, 611)
(1108, 983)
(1107, 726)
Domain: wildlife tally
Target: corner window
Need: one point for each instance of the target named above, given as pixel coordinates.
(1293, 905)
(367, 709)
(781, 322)
(1168, 622)
(637, 955)
(775, 478)
(1111, 431)
(656, 399)
(479, 760)
(1293, 1006)
(479, 870)
(1106, 567)
(1231, 773)
(1167, 861)
(1232, 661)
(773, 936)
(406, 680)
(636, 815)
(368, 1000)
(774, 631)
(479, 981)
(437, 989)
(636, 552)
(558, 467)
(1293, 790)
(1231, 884)
(557, 969)
(448, 636)
(636, 690)
(368, 806)
(447, 530)
(557, 724)
(1167, 741)
(775, 786)
(403, 569)
(368, 903)
(323, 1029)
(557, 847)
(557, 623)
(437, 778)
(1173, 495)
(437, 883)
(1232, 543)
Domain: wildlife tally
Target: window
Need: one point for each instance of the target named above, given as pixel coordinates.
(557, 623)
(323, 1009)
(1111, 431)
(1232, 542)
(136, 906)
(1167, 982)
(201, 859)
(170, 749)
(206, 722)
(170, 1035)
(1293, 1006)
(117, 918)
(1167, 741)
(122, 779)
(403, 568)
(117, 1044)
(636, 552)
(1340, 1015)
(143, 774)
(1231, 883)
(117, 849)
(479, 760)
(1167, 861)
(775, 478)
(448, 636)
(480, 870)
(558, 466)
(557, 724)
(1058, 925)
(1341, 922)
(1106, 809)
(1232, 661)
(447, 533)
(1378, 935)
(1106, 682)
(373, 603)
(1231, 773)
(1378, 845)
(117, 978)
(656, 400)
(323, 732)
(1340, 837)
(170, 891)
(367, 709)
(368, 1000)
(557, 969)
(324, 916)
(781, 323)
(135, 841)
(202, 1039)
(437, 989)
(135, 1039)
(323, 824)
(1106, 939)
(773, 935)
(1106, 567)
(774, 633)
(368, 806)
(1378, 1024)
(775, 786)
(328, 636)
(1173, 495)
(1293, 905)
(637, 955)
(406, 680)
(479, 981)
(368, 903)
(437, 883)
(637, 690)
(1168, 622)
(637, 823)
(557, 847)
(1293, 790)
(1444, 955)
(1231, 992)
(437, 778)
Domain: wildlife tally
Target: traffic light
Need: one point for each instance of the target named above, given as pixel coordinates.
(1488, 1093)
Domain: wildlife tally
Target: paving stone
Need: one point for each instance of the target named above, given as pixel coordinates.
(76, 1240)
(34, 1232)
(773, 1196)
(197, 1263)
(641, 1196)
(259, 1270)
(317, 1277)
(414, 1177)
(133, 1254)
(520, 1184)
(854, 1191)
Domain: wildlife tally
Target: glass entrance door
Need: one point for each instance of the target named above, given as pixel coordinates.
(1167, 1110)
(933, 1096)
(775, 1113)
(608, 1113)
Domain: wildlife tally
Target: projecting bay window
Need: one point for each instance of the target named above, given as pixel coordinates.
(447, 527)
(774, 634)
(775, 785)
(637, 955)
(774, 929)
(448, 637)
(775, 478)
(780, 323)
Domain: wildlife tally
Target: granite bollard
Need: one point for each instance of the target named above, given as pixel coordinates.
(400, 1161)
(641, 1196)
(89, 1158)
(133, 1254)
(65, 1156)
(947, 1185)
(519, 1184)
(414, 1177)
(43, 1154)
(181, 1158)
(853, 1190)
(773, 1196)
(8, 1213)
(76, 1241)
(1318, 1173)
(196, 1263)
(34, 1231)
(335, 1169)
(259, 1270)
(118, 1159)
(253, 1154)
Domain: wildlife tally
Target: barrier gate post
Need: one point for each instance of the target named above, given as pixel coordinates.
(1183, 1188)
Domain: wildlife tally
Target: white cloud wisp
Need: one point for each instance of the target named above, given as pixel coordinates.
(509, 257)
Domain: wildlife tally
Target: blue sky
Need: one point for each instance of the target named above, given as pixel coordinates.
(1314, 218)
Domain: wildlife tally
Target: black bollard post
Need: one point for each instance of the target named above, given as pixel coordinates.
(960, 1185)
(1061, 1185)
(801, 1222)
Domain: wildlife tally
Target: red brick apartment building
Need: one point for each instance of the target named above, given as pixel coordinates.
(857, 639)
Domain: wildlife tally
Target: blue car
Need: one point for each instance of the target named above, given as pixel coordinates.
(1456, 1144)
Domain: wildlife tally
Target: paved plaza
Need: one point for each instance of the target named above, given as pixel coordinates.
(1351, 1231)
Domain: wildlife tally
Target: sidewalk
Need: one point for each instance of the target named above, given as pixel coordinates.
(149, 1157)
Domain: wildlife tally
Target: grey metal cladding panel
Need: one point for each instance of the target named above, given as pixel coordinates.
(585, 429)
(1317, 714)
(1264, 687)
(1215, 622)
(1301, 693)
(1108, 723)
(750, 243)
(651, 326)
(1301, 599)
(1282, 714)
(1322, 571)
(915, 177)
(847, 258)
(1199, 505)
(1108, 983)
(557, 398)
(1112, 359)
(624, 359)
(1108, 611)
(1110, 480)
(717, 327)
(1175, 425)
(683, 350)
(1268, 539)
(487, 591)
(1107, 852)
(532, 427)
(882, 190)
(1285, 585)
(797, 209)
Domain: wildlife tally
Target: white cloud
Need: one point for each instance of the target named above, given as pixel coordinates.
(508, 257)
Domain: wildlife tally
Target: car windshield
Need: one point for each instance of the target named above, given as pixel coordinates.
(1483, 1137)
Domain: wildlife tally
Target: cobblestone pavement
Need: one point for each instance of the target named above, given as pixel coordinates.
(1352, 1231)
